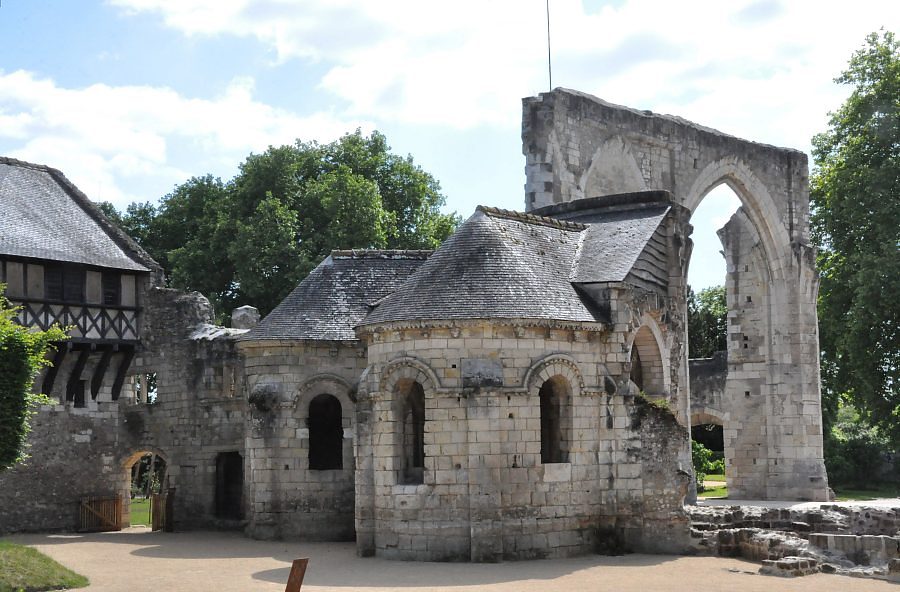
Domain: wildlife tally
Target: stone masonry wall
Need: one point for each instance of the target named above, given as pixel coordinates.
(286, 498)
(83, 452)
(73, 454)
(486, 495)
(708, 389)
(198, 412)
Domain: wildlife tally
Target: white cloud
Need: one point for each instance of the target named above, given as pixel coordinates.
(467, 63)
(107, 138)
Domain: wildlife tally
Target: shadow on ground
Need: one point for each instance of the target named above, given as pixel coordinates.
(336, 564)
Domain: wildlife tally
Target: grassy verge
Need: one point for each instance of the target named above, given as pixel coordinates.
(140, 512)
(719, 492)
(715, 477)
(848, 494)
(24, 568)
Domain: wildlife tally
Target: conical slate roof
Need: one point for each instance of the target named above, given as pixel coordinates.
(336, 295)
(498, 264)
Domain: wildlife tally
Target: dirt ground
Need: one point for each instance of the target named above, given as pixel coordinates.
(136, 560)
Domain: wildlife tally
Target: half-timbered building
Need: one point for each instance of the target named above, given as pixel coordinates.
(63, 263)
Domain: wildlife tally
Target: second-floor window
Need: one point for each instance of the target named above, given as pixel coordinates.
(65, 283)
(112, 288)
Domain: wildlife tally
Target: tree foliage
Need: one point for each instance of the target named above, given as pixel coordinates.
(21, 357)
(250, 240)
(855, 194)
(707, 322)
(855, 452)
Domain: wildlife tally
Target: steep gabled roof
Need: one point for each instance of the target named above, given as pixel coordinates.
(619, 228)
(336, 295)
(44, 216)
(613, 243)
(498, 264)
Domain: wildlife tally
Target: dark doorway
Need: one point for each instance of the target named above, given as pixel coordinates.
(229, 485)
(326, 434)
(710, 435)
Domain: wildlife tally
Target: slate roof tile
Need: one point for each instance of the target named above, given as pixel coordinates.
(44, 216)
(336, 295)
(498, 264)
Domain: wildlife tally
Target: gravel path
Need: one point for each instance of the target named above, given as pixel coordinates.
(137, 561)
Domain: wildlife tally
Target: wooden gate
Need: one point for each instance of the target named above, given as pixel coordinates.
(161, 510)
(157, 511)
(100, 514)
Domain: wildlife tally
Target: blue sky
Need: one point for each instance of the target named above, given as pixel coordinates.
(130, 97)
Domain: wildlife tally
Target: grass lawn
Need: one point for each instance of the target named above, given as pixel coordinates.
(715, 477)
(846, 494)
(140, 512)
(24, 568)
(719, 492)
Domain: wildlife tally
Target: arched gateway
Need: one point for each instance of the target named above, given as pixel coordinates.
(578, 146)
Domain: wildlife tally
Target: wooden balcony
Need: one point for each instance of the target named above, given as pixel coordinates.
(86, 322)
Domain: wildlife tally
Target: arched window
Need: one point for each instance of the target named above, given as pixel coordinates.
(326, 433)
(647, 370)
(637, 371)
(413, 436)
(554, 402)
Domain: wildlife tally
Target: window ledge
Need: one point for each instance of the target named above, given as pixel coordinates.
(557, 472)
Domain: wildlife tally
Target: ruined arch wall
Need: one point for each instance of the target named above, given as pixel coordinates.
(579, 146)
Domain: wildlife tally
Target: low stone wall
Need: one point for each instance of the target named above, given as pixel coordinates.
(827, 518)
(861, 549)
(856, 541)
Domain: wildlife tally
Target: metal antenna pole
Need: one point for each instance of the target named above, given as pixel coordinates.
(549, 64)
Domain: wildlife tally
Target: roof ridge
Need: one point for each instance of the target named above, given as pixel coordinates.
(129, 246)
(119, 236)
(25, 164)
(531, 218)
(381, 253)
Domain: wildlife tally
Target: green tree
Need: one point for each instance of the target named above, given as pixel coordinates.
(21, 357)
(855, 194)
(249, 241)
(707, 322)
(702, 459)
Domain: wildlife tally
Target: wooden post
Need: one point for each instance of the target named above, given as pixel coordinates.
(298, 571)
(150, 473)
(170, 510)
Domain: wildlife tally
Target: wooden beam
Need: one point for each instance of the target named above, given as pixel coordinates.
(50, 376)
(75, 376)
(100, 372)
(127, 357)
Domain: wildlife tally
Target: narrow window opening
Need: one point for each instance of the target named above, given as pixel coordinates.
(145, 391)
(75, 394)
(326, 433)
(112, 288)
(53, 282)
(414, 435)
(637, 369)
(553, 444)
(64, 283)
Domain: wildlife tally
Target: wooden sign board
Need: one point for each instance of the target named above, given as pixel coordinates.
(298, 570)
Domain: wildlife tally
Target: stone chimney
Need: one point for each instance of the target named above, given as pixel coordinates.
(244, 317)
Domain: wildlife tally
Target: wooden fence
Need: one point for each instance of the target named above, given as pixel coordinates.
(99, 514)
